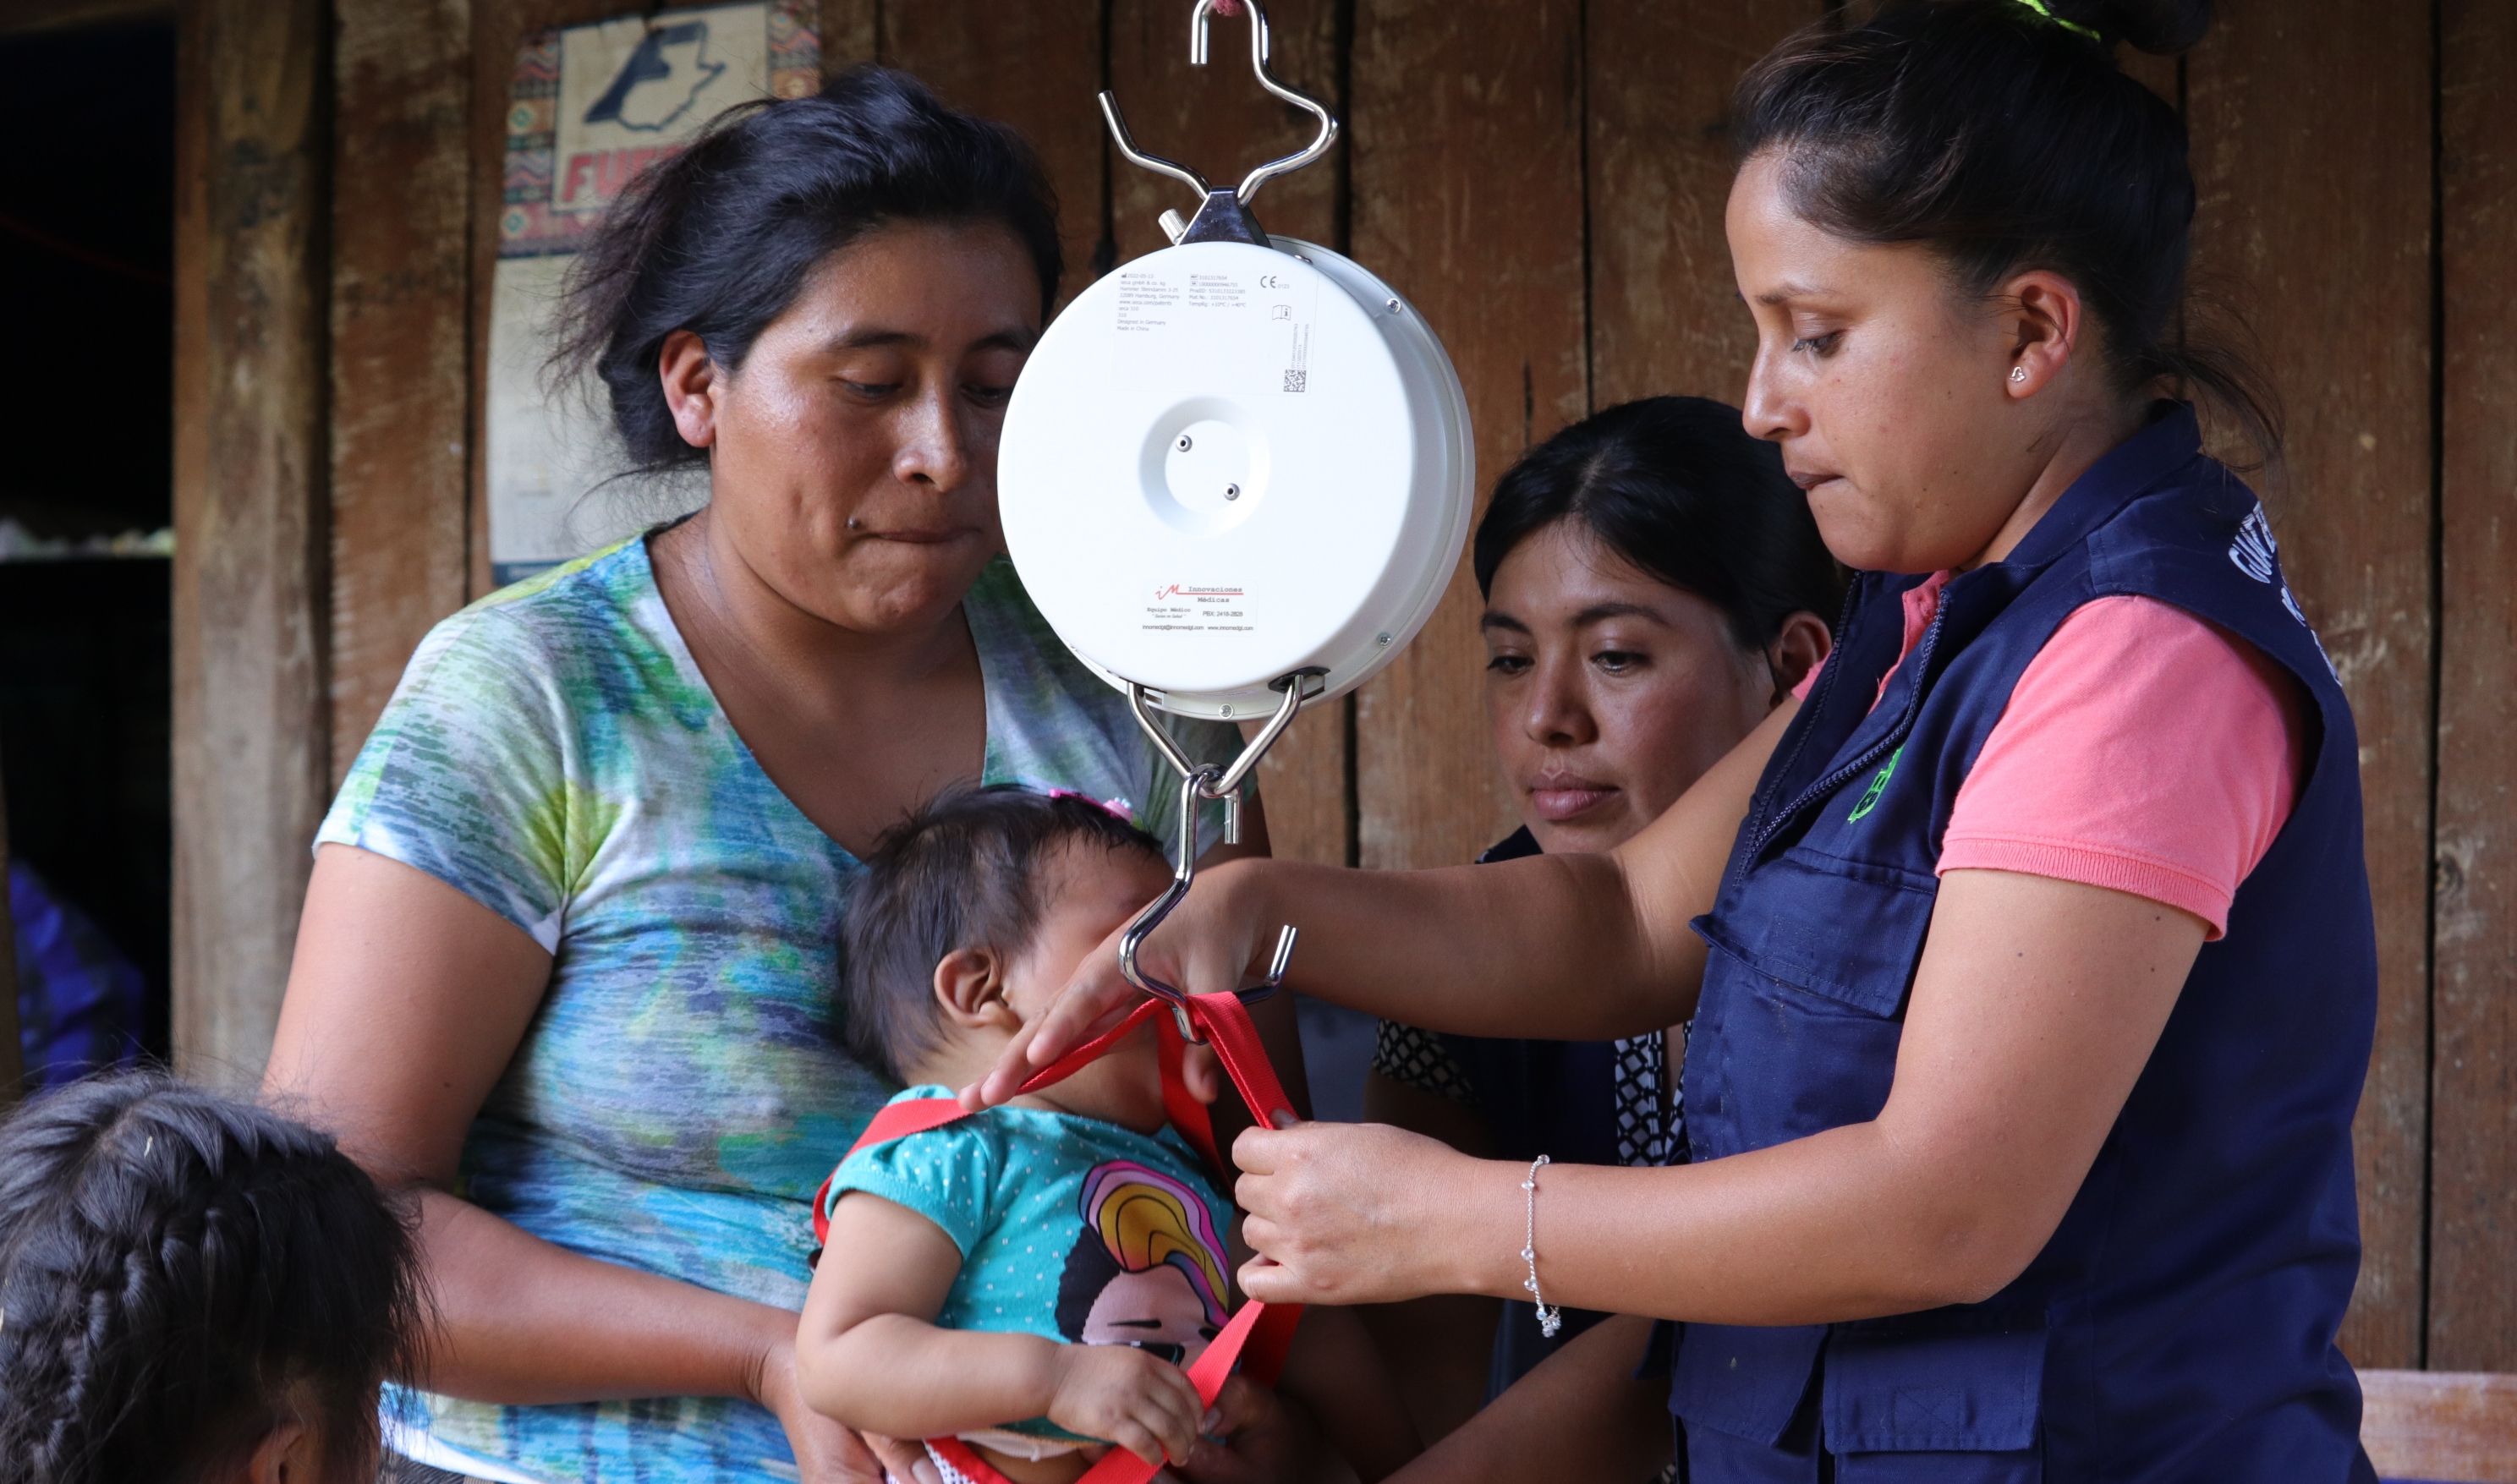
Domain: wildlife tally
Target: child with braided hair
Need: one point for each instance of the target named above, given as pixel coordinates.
(191, 1290)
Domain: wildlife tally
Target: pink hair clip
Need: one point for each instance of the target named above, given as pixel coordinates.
(1116, 809)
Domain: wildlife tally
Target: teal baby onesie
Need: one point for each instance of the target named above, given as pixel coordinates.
(1070, 1228)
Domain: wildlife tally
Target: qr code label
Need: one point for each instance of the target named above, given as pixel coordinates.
(1296, 381)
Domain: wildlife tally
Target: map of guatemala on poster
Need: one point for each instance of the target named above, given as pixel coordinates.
(590, 107)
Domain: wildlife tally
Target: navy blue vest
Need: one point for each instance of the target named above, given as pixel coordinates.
(2180, 1324)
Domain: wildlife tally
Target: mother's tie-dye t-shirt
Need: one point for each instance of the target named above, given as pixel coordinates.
(553, 753)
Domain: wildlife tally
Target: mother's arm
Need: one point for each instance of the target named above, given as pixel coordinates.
(405, 1003)
(2033, 1010)
(1583, 947)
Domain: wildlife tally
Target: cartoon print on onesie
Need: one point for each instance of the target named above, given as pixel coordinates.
(1147, 1269)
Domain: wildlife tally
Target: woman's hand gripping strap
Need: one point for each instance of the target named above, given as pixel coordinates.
(1225, 1023)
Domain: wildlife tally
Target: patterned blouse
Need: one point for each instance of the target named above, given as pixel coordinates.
(554, 753)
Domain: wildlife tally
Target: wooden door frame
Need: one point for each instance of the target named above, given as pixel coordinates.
(251, 754)
(27, 17)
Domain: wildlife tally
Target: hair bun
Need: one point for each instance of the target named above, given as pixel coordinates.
(2160, 27)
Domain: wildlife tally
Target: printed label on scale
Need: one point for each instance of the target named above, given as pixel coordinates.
(1190, 609)
(1188, 324)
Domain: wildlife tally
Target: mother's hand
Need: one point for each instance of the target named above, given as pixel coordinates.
(827, 1453)
(1263, 1440)
(1348, 1214)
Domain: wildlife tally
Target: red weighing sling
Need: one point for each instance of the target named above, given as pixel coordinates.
(1258, 1334)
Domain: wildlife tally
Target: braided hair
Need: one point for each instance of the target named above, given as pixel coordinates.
(180, 1274)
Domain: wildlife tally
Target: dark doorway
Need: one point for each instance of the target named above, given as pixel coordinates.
(87, 258)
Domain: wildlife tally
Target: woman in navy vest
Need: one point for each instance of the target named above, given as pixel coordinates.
(2024, 1161)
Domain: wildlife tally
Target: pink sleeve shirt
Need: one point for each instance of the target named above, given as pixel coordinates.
(2144, 749)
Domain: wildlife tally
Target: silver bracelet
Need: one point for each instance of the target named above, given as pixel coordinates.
(1548, 1320)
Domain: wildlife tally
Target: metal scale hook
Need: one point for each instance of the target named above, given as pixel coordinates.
(1223, 213)
(1201, 783)
(1222, 216)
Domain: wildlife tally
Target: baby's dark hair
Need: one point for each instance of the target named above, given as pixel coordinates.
(1677, 488)
(719, 239)
(1089, 1268)
(964, 871)
(2006, 141)
(177, 1272)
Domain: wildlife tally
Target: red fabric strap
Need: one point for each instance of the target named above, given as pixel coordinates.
(968, 1464)
(1222, 1019)
(898, 1120)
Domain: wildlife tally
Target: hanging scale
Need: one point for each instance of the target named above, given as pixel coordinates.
(1236, 476)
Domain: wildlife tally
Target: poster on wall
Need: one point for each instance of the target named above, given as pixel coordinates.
(590, 107)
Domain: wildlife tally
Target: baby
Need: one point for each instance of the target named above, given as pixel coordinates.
(1034, 1279)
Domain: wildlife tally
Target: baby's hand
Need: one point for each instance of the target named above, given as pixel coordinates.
(1145, 1405)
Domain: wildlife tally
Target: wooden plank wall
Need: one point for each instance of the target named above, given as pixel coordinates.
(1035, 66)
(252, 770)
(401, 350)
(2473, 1200)
(1543, 179)
(1665, 315)
(2313, 151)
(1468, 200)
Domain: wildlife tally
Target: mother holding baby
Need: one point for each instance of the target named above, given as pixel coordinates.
(568, 958)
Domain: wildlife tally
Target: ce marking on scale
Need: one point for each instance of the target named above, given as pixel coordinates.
(1271, 280)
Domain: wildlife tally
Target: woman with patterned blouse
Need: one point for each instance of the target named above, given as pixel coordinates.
(569, 955)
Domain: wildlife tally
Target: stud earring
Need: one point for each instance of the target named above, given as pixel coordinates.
(2019, 373)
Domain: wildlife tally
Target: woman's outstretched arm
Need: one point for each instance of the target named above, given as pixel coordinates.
(406, 1001)
(2033, 1011)
(1586, 946)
